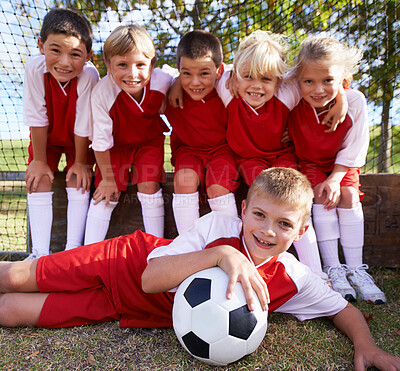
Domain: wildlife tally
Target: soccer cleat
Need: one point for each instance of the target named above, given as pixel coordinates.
(339, 282)
(365, 286)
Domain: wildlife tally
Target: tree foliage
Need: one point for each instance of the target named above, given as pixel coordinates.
(370, 24)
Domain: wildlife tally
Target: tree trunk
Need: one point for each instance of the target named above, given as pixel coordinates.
(385, 143)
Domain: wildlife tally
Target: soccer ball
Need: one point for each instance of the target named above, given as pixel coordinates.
(210, 327)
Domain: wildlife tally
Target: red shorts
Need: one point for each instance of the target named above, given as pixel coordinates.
(53, 154)
(250, 168)
(102, 282)
(147, 162)
(316, 176)
(218, 167)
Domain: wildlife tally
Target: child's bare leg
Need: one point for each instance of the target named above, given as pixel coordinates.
(18, 276)
(186, 181)
(21, 309)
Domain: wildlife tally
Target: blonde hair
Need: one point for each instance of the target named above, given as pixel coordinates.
(328, 51)
(285, 185)
(260, 54)
(125, 39)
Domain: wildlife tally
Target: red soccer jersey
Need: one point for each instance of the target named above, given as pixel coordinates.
(312, 144)
(257, 133)
(200, 125)
(61, 108)
(120, 121)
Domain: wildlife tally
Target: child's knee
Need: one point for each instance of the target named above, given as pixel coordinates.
(186, 181)
(216, 190)
(10, 277)
(349, 198)
(148, 187)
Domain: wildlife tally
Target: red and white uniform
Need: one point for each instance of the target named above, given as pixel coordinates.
(318, 151)
(64, 108)
(293, 288)
(102, 282)
(198, 139)
(132, 131)
(255, 135)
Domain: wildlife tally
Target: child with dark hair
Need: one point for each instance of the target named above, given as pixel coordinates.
(200, 152)
(57, 89)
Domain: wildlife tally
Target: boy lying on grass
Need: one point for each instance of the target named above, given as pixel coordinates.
(127, 278)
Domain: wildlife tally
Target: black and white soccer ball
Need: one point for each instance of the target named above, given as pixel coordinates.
(210, 327)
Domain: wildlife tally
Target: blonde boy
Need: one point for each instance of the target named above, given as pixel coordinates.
(128, 131)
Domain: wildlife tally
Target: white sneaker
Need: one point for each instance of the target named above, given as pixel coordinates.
(365, 286)
(339, 283)
(33, 256)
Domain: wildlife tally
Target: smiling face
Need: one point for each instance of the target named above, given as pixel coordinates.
(269, 226)
(319, 84)
(257, 91)
(131, 72)
(198, 76)
(65, 56)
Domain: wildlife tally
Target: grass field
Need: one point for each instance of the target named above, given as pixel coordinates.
(288, 344)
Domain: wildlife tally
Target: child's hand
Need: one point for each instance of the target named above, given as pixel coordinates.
(285, 136)
(231, 84)
(82, 174)
(337, 113)
(108, 190)
(34, 173)
(375, 356)
(329, 192)
(239, 269)
(175, 94)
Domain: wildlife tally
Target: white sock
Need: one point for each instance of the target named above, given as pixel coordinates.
(326, 227)
(78, 204)
(186, 210)
(153, 212)
(351, 223)
(225, 203)
(40, 209)
(98, 220)
(307, 250)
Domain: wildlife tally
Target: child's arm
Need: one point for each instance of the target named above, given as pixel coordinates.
(329, 189)
(366, 353)
(337, 113)
(38, 167)
(107, 188)
(166, 272)
(80, 168)
(175, 94)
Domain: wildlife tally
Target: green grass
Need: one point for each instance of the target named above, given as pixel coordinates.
(373, 150)
(288, 344)
(13, 216)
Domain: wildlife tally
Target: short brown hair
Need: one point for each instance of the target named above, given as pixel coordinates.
(199, 44)
(284, 185)
(69, 23)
